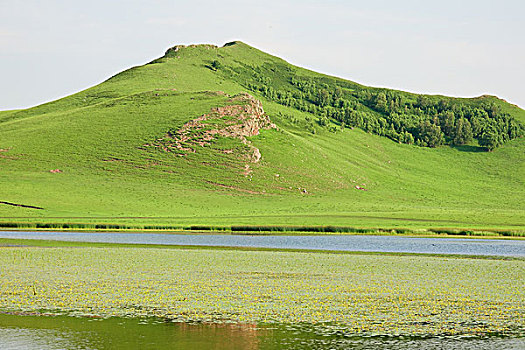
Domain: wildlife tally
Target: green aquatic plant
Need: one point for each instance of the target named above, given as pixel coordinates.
(361, 294)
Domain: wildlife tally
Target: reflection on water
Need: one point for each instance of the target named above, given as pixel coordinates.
(62, 332)
(21, 338)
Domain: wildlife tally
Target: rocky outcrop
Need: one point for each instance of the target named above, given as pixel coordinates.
(176, 48)
(241, 119)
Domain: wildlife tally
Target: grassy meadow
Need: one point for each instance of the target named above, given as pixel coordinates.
(87, 159)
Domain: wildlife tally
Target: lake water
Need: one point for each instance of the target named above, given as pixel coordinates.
(399, 244)
(62, 332)
(19, 332)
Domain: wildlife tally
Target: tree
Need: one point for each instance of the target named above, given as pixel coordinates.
(406, 137)
(323, 97)
(430, 134)
(515, 129)
(448, 123)
(338, 93)
(492, 109)
(463, 132)
(381, 102)
(490, 139)
(477, 128)
(322, 121)
(423, 101)
(216, 65)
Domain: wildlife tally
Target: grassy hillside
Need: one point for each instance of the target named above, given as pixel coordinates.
(168, 143)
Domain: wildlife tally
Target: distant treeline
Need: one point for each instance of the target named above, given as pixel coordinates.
(427, 121)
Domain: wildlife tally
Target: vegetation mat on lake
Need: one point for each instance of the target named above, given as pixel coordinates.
(360, 294)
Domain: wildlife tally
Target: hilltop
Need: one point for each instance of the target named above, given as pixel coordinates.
(230, 135)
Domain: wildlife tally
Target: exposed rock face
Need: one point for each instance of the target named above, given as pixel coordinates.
(176, 48)
(248, 118)
(239, 120)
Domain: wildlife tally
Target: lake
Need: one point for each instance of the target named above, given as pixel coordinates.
(62, 332)
(396, 244)
(28, 332)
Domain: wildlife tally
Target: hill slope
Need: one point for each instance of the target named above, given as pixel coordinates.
(179, 141)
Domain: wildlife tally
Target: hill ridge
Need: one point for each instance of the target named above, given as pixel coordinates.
(84, 156)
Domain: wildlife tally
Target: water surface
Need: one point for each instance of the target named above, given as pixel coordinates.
(62, 332)
(400, 244)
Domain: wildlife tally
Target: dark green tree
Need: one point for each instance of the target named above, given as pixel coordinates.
(490, 139)
(323, 121)
(448, 122)
(381, 102)
(463, 132)
(423, 101)
(323, 97)
(406, 137)
(338, 93)
(216, 65)
(430, 134)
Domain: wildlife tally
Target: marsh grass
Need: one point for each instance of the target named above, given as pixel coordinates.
(269, 230)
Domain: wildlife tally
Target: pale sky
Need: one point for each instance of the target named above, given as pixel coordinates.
(52, 48)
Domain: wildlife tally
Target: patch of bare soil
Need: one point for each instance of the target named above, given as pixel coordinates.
(235, 188)
(239, 120)
(247, 170)
(5, 150)
(112, 159)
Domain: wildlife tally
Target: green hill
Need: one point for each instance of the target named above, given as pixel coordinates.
(234, 136)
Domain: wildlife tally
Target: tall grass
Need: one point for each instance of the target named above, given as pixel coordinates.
(255, 229)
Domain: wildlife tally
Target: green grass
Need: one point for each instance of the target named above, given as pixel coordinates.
(96, 138)
(361, 294)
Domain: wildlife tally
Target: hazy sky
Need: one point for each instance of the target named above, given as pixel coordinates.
(52, 48)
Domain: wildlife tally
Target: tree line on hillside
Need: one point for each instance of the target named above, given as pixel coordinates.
(427, 121)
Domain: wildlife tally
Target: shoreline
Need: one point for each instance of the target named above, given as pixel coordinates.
(282, 231)
(7, 243)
